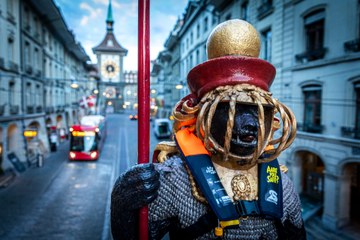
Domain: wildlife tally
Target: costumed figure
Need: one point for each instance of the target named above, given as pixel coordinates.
(220, 178)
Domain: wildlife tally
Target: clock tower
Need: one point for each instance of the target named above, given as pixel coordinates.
(110, 55)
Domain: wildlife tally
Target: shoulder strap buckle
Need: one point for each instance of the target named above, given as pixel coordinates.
(247, 208)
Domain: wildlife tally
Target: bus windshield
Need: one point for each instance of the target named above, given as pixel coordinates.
(83, 143)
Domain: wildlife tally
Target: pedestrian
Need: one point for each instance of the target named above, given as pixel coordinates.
(220, 179)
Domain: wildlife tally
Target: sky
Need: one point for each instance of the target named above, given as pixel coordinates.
(86, 18)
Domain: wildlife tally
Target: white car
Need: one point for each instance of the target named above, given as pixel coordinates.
(162, 128)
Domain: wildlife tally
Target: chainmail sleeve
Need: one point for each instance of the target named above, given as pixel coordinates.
(175, 204)
(291, 201)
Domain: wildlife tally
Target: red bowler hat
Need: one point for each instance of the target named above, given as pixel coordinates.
(233, 47)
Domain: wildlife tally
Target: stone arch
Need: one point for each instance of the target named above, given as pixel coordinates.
(34, 125)
(349, 209)
(37, 144)
(12, 138)
(312, 175)
(308, 174)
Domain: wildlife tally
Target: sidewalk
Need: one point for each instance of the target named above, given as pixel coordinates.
(6, 178)
(10, 175)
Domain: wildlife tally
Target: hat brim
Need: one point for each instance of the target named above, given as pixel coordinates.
(230, 70)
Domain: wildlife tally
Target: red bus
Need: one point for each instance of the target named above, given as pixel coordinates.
(86, 142)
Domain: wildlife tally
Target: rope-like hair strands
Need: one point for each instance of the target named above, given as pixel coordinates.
(229, 127)
(199, 118)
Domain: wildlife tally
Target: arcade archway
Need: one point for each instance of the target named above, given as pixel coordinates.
(352, 173)
(12, 138)
(312, 176)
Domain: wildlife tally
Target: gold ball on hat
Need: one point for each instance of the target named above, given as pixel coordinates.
(233, 37)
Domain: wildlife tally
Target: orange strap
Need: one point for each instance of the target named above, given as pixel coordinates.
(189, 143)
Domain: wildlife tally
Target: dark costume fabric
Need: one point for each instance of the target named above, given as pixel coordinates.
(175, 208)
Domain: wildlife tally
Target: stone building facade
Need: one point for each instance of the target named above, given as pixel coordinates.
(39, 60)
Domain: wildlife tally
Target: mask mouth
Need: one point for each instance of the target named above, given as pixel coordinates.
(243, 143)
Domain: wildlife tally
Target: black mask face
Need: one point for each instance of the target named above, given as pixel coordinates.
(244, 138)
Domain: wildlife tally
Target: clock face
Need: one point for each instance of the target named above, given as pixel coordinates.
(110, 66)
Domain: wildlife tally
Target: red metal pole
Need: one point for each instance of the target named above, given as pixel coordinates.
(143, 100)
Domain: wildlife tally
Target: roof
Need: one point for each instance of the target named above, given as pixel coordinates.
(109, 44)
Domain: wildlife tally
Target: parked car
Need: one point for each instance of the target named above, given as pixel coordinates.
(162, 128)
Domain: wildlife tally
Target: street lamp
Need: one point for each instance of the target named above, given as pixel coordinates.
(74, 85)
(179, 86)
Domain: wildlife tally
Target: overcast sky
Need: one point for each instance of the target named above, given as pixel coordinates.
(86, 18)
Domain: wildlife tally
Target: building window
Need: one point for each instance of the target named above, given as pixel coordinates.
(312, 109)
(245, 11)
(357, 114)
(27, 56)
(191, 61)
(197, 56)
(266, 45)
(12, 98)
(28, 94)
(10, 7)
(205, 24)
(314, 28)
(265, 8)
(36, 58)
(228, 17)
(314, 24)
(37, 95)
(191, 38)
(214, 18)
(27, 19)
(198, 31)
(10, 49)
(205, 54)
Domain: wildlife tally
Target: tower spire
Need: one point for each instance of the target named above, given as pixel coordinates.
(109, 19)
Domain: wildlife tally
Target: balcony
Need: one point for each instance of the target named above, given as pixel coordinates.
(49, 110)
(30, 109)
(59, 109)
(14, 109)
(265, 10)
(352, 46)
(2, 109)
(38, 73)
(28, 69)
(13, 66)
(39, 109)
(310, 128)
(350, 132)
(311, 55)
(75, 105)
